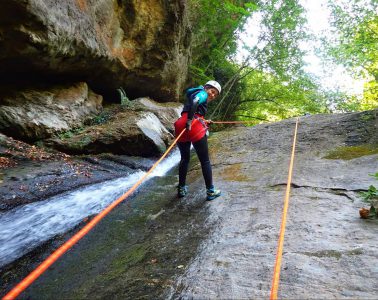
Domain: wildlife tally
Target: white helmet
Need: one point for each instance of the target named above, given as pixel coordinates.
(214, 84)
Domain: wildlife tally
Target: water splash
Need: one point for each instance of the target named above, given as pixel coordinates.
(24, 228)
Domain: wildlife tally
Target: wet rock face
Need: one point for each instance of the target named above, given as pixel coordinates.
(329, 252)
(37, 114)
(140, 45)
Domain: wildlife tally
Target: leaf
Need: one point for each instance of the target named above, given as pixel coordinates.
(251, 6)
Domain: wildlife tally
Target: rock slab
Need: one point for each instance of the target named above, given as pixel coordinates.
(329, 252)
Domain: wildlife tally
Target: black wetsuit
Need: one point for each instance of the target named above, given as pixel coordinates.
(200, 146)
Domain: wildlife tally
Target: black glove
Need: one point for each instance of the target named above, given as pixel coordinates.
(188, 124)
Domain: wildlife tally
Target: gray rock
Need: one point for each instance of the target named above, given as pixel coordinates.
(167, 112)
(329, 252)
(35, 114)
(129, 132)
(141, 46)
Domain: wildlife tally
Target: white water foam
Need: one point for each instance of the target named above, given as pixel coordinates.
(24, 228)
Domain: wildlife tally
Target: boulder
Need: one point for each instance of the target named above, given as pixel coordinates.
(129, 132)
(41, 113)
(166, 112)
(143, 46)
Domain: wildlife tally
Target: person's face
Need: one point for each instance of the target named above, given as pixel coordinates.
(212, 93)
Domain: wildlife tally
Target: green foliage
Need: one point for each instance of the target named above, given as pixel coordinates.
(269, 84)
(370, 194)
(215, 25)
(357, 28)
(125, 101)
(371, 197)
(271, 99)
(343, 102)
(198, 74)
(282, 29)
(215, 35)
(355, 46)
(370, 99)
(70, 133)
(276, 87)
(101, 118)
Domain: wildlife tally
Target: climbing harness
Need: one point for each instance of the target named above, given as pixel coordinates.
(198, 130)
(277, 266)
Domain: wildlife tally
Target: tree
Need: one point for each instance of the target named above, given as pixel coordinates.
(274, 63)
(215, 26)
(272, 68)
(215, 34)
(355, 44)
(281, 31)
(271, 99)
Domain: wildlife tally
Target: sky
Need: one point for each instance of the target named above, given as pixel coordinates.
(331, 76)
(318, 16)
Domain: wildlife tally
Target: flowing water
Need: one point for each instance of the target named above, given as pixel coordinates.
(24, 228)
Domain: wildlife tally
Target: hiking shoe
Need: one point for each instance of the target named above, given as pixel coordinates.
(212, 193)
(182, 191)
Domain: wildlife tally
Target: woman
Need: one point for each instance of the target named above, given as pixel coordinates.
(192, 119)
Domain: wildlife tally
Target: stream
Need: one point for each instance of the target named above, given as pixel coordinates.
(25, 228)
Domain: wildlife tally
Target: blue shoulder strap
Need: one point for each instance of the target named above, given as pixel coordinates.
(199, 92)
(191, 91)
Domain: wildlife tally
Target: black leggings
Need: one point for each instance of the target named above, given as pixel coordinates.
(203, 155)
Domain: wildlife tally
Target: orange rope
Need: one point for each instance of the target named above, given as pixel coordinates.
(228, 122)
(277, 266)
(28, 280)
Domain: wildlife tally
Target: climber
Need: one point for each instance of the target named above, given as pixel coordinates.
(192, 119)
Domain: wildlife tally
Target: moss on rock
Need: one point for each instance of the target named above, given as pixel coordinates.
(351, 152)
